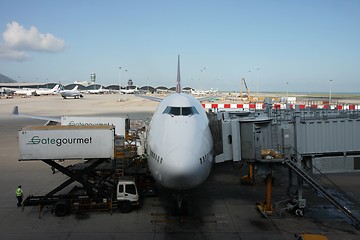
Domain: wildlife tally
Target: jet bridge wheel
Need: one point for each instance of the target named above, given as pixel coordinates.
(61, 208)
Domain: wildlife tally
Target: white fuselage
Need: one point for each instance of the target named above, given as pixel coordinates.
(27, 92)
(180, 143)
(71, 93)
(46, 91)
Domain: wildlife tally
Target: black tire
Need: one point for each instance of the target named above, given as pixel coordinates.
(61, 208)
(124, 206)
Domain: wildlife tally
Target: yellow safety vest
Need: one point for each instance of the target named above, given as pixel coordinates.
(19, 192)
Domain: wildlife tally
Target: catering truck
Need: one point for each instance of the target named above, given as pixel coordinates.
(100, 185)
(66, 142)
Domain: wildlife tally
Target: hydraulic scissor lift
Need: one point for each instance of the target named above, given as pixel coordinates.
(97, 185)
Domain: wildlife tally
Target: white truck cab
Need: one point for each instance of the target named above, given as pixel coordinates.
(127, 195)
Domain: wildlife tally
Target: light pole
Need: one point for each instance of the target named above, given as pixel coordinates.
(330, 92)
(201, 78)
(287, 92)
(126, 76)
(257, 83)
(147, 83)
(119, 84)
(217, 84)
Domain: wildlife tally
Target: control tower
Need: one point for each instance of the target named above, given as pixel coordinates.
(93, 78)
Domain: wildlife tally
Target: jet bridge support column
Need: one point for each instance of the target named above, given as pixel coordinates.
(249, 178)
(265, 207)
(236, 142)
(301, 201)
(268, 206)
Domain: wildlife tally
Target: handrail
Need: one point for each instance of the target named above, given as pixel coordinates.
(322, 190)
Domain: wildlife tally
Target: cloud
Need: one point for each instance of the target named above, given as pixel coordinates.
(18, 41)
(12, 55)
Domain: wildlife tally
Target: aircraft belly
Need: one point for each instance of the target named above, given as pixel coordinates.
(182, 181)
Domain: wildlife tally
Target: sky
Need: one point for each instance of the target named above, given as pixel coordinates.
(277, 45)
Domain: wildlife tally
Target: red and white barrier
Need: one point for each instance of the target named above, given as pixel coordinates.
(277, 106)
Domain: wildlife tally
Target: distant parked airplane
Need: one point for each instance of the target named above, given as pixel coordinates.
(46, 91)
(74, 93)
(202, 92)
(130, 90)
(24, 91)
(97, 91)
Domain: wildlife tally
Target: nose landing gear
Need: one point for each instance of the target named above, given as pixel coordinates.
(181, 207)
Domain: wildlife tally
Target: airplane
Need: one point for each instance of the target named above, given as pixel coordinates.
(202, 92)
(6, 91)
(129, 90)
(97, 91)
(24, 91)
(162, 90)
(179, 142)
(44, 91)
(34, 91)
(71, 93)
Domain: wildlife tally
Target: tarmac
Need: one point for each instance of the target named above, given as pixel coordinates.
(221, 208)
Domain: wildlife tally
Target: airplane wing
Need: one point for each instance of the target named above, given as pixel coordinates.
(50, 120)
(155, 99)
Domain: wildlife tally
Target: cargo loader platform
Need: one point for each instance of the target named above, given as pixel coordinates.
(94, 185)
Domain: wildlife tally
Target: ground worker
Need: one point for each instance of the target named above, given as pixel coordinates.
(19, 196)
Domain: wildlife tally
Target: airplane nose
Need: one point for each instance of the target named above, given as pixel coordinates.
(183, 168)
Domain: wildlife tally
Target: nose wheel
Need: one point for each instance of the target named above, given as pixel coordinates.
(181, 207)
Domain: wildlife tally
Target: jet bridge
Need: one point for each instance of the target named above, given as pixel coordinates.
(240, 137)
(327, 139)
(321, 139)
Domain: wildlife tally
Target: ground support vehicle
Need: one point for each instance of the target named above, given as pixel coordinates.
(108, 172)
(100, 190)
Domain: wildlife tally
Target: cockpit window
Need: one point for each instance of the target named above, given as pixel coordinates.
(186, 111)
(172, 111)
(180, 111)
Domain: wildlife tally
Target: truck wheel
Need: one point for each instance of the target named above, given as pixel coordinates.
(124, 206)
(61, 208)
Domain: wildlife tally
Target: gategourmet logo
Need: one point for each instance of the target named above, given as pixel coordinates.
(73, 123)
(59, 141)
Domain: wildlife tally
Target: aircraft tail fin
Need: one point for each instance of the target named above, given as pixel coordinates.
(178, 85)
(56, 88)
